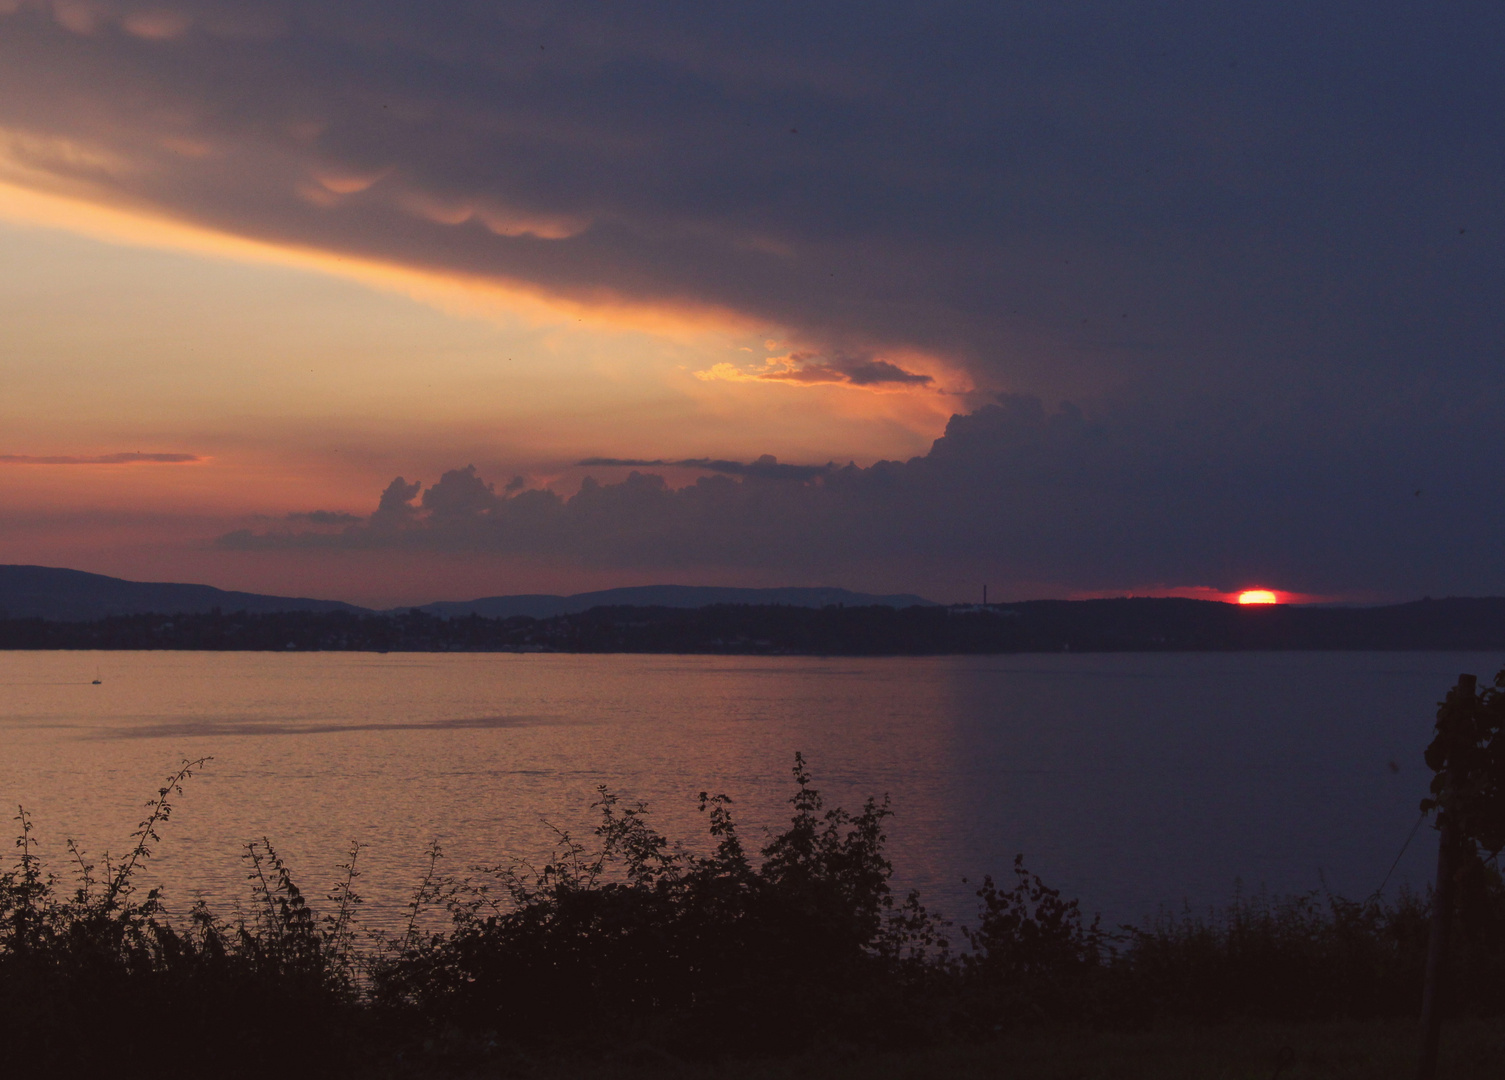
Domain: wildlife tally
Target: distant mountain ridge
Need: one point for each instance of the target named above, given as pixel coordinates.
(55, 593)
(49, 592)
(50, 608)
(1144, 625)
(541, 606)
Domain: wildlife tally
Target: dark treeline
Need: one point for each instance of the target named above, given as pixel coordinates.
(625, 946)
(1145, 625)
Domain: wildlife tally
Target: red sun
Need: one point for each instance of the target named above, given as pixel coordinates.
(1258, 596)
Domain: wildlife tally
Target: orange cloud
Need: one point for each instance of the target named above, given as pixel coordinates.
(158, 24)
(77, 15)
(347, 183)
(725, 372)
(133, 458)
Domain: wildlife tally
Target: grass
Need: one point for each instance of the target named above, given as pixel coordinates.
(1351, 1050)
(1333, 1050)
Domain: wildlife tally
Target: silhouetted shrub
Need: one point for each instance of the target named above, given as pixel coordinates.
(631, 945)
(1033, 957)
(100, 981)
(648, 941)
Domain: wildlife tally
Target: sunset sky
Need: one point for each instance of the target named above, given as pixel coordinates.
(392, 301)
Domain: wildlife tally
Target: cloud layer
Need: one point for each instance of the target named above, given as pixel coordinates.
(132, 458)
(766, 467)
(1020, 495)
(1098, 191)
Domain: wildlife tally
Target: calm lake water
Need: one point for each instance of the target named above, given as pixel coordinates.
(1130, 781)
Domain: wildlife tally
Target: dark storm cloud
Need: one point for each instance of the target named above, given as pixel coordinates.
(880, 373)
(1018, 494)
(1044, 192)
(766, 467)
(812, 369)
(324, 517)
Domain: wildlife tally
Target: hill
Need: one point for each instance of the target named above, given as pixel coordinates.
(59, 595)
(47, 592)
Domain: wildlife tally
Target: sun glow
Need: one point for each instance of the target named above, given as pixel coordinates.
(1258, 596)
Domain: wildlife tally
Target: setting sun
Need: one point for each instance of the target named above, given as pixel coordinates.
(1257, 596)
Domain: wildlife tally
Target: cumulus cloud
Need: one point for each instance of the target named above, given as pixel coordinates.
(133, 458)
(396, 507)
(1316, 500)
(459, 495)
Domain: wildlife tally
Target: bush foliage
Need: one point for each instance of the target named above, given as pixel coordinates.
(629, 944)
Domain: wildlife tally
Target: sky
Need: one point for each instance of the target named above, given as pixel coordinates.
(392, 301)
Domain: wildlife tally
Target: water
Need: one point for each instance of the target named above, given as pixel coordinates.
(1130, 781)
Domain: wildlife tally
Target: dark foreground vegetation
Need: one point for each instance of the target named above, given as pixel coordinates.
(1130, 625)
(629, 955)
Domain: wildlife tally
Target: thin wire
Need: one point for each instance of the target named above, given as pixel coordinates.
(1400, 856)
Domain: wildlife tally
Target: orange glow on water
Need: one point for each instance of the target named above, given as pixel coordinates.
(1258, 596)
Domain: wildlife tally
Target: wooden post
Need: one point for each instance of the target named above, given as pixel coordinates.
(1442, 917)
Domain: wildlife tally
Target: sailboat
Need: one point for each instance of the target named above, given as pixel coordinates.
(97, 680)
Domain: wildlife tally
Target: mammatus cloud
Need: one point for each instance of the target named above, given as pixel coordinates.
(811, 369)
(101, 459)
(1015, 493)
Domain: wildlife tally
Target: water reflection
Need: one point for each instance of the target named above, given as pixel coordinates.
(1130, 781)
(248, 726)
